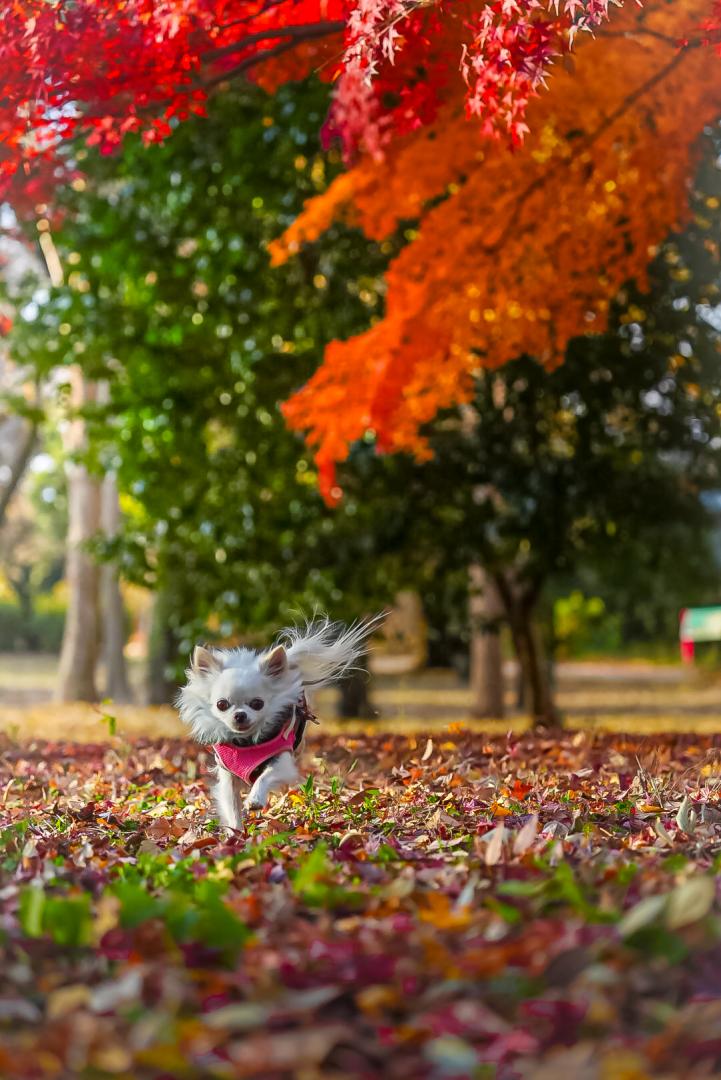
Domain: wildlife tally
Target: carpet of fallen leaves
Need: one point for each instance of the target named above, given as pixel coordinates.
(449, 907)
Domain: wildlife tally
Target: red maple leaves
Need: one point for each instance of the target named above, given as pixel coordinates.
(101, 70)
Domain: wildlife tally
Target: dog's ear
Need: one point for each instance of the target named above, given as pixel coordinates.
(204, 661)
(275, 662)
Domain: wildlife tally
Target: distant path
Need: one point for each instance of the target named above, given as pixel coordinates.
(610, 695)
(624, 671)
(27, 680)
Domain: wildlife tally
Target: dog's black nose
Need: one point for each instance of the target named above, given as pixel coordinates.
(240, 717)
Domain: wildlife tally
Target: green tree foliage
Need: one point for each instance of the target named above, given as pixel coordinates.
(169, 295)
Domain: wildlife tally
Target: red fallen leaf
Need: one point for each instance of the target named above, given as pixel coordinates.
(562, 1017)
(520, 790)
(200, 844)
(509, 1045)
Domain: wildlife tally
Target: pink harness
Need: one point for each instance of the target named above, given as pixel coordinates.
(244, 761)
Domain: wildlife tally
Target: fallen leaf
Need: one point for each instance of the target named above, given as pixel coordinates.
(67, 999)
(526, 835)
(494, 846)
(686, 817)
(643, 913)
(690, 901)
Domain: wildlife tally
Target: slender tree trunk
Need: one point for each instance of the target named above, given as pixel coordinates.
(79, 650)
(486, 662)
(18, 466)
(21, 584)
(535, 673)
(536, 677)
(354, 700)
(117, 685)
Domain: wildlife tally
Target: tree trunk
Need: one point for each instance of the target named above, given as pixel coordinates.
(79, 651)
(534, 671)
(117, 685)
(78, 656)
(162, 652)
(18, 467)
(537, 684)
(354, 695)
(520, 690)
(21, 584)
(486, 662)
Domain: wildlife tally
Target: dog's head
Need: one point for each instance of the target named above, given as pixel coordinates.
(236, 693)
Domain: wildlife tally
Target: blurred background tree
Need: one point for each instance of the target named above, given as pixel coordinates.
(586, 480)
(168, 298)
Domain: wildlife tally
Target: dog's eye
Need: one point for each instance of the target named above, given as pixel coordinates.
(257, 703)
(223, 704)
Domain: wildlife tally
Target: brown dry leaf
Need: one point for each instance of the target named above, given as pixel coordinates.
(494, 846)
(296, 1050)
(525, 837)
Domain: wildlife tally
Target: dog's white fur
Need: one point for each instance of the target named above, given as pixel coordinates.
(302, 659)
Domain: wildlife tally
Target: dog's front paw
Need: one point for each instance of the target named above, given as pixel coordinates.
(255, 801)
(234, 826)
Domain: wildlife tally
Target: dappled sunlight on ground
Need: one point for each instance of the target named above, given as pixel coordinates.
(610, 696)
(87, 723)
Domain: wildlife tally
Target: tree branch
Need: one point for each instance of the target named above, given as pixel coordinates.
(18, 467)
(317, 30)
(584, 143)
(296, 33)
(244, 65)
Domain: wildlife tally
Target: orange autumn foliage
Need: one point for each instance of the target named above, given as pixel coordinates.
(524, 250)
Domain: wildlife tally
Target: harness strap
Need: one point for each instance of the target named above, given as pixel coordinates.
(246, 761)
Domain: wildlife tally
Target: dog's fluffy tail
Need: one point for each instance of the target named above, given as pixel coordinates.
(324, 651)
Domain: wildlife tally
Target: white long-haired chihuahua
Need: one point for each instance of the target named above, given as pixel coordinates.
(252, 707)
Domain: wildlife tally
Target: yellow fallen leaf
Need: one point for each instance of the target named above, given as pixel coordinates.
(372, 999)
(106, 916)
(66, 1000)
(112, 1059)
(623, 1065)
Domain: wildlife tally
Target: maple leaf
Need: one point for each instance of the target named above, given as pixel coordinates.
(522, 252)
(70, 70)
